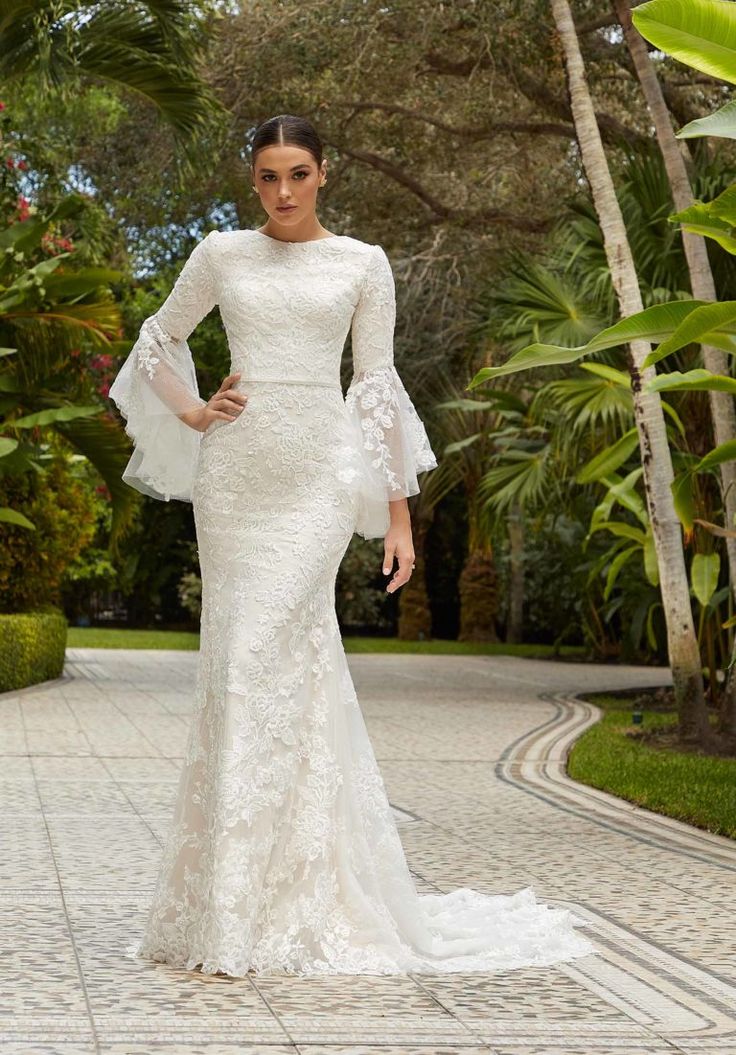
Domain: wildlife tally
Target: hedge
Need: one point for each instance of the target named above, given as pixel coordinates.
(33, 647)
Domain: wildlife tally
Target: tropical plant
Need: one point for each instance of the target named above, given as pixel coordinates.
(702, 282)
(649, 416)
(149, 47)
(52, 318)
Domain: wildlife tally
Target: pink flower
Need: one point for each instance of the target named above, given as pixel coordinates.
(2, 106)
(104, 388)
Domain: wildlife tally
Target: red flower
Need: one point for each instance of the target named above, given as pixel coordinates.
(2, 106)
(10, 163)
(104, 388)
(23, 165)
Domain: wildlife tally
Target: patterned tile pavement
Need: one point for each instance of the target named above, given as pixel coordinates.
(472, 751)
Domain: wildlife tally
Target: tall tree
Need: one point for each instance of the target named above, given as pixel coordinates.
(702, 284)
(658, 475)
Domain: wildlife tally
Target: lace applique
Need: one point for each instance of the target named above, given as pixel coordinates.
(385, 426)
(158, 382)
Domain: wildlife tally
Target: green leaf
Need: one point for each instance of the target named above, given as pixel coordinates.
(615, 567)
(465, 404)
(684, 499)
(459, 445)
(618, 527)
(619, 377)
(691, 381)
(12, 516)
(714, 219)
(623, 491)
(610, 459)
(7, 445)
(696, 328)
(651, 567)
(656, 324)
(651, 636)
(722, 123)
(700, 33)
(672, 413)
(704, 575)
(54, 414)
(724, 452)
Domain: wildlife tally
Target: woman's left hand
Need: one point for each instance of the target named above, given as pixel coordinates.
(398, 543)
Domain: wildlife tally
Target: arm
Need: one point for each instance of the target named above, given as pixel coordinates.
(394, 443)
(156, 387)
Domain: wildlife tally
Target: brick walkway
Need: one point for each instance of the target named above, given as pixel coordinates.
(471, 750)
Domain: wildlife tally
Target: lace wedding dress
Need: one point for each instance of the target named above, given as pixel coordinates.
(283, 853)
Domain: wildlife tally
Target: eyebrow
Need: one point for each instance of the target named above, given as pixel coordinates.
(302, 164)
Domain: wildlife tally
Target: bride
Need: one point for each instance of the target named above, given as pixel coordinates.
(283, 853)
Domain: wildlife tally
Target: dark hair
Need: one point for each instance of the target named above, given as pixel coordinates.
(287, 130)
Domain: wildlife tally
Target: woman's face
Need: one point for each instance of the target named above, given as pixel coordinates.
(286, 179)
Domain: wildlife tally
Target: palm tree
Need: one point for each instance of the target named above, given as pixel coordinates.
(147, 46)
(658, 473)
(467, 425)
(703, 287)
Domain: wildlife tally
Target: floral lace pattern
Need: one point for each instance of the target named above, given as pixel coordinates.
(283, 854)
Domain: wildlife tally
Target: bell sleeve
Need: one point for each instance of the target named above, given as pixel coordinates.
(392, 443)
(157, 383)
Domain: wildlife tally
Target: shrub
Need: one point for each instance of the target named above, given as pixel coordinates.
(32, 563)
(33, 647)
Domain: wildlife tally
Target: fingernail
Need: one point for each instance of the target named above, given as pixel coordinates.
(385, 571)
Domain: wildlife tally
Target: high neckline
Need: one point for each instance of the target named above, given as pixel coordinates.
(307, 241)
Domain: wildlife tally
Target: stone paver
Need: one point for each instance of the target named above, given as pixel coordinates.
(472, 751)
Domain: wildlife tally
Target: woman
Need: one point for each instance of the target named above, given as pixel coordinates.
(283, 854)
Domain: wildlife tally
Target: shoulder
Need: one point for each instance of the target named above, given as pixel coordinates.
(376, 268)
(371, 251)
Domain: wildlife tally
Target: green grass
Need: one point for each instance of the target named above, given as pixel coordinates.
(696, 788)
(102, 637)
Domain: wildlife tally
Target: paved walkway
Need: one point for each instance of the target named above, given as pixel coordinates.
(472, 752)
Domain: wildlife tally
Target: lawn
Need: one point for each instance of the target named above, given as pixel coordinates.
(687, 785)
(102, 637)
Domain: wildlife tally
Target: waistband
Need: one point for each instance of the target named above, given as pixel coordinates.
(289, 381)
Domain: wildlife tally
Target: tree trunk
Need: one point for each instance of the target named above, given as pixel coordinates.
(515, 625)
(478, 587)
(656, 460)
(703, 288)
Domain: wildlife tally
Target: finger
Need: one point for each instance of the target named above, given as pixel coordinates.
(388, 559)
(403, 574)
(229, 380)
(229, 403)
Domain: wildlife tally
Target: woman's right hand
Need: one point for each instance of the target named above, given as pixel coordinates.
(224, 404)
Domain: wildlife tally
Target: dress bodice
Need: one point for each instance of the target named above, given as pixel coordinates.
(287, 308)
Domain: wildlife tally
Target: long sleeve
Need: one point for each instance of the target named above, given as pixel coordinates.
(385, 425)
(157, 382)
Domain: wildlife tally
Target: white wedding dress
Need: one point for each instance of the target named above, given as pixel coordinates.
(283, 854)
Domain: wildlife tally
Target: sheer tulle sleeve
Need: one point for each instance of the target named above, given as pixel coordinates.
(157, 383)
(389, 433)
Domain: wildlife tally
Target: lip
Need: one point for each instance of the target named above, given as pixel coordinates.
(286, 208)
